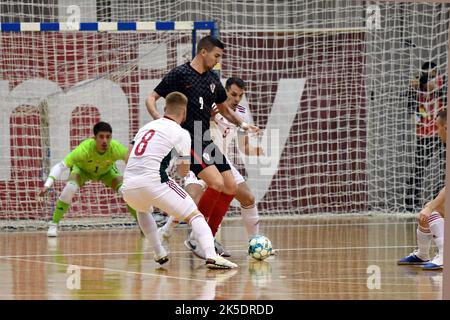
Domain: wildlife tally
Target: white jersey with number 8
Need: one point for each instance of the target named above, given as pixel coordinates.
(153, 150)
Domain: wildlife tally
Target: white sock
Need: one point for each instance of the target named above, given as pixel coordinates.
(168, 227)
(150, 229)
(436, 223)
(424, 243)
(203, 235)
(250, 218)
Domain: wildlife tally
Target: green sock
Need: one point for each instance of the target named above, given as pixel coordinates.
(60, 210)
(132, 211)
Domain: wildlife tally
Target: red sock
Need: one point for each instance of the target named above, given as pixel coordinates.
(220, 210)
(208, 202)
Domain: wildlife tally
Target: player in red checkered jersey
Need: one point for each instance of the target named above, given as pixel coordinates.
(223, 133)
(202, 86)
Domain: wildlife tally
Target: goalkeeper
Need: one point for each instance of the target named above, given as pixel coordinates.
(92, 160)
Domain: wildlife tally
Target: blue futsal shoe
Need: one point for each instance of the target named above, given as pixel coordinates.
(435, 264)
(412, 259)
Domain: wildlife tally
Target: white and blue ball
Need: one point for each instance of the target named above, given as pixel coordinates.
(259, 247)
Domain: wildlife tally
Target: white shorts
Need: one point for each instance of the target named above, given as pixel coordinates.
(192, 179)
(168, 196)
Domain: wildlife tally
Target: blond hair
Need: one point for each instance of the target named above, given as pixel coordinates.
(176, 102)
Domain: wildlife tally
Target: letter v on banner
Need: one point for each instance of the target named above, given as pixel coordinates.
(261, 170)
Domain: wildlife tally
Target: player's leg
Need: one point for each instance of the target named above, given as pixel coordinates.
(114, 180)
(422, 254)
(249, 210)
(223, 201)
(150, 229)
(140, 199)
(223, 173)
(210, 197)
(208, 167)
(436, 223)
(185, 209)
(195, 188)
(76, 180)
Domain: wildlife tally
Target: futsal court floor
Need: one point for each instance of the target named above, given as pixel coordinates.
(326, 257)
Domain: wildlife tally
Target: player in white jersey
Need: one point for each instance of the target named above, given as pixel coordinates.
(147, 185)
(222, 133)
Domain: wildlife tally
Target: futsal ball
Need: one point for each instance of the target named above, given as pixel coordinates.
(259, 247)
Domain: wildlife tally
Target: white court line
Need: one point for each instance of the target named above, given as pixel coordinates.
(325, 225)
(337, 293)
(111, 270)
(187, 251)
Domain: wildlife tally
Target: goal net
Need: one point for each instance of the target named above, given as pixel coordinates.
(329, 82)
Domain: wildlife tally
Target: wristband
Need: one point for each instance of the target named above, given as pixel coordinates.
(243, 125)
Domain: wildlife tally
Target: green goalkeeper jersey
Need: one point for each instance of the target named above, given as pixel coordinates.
(86, 157)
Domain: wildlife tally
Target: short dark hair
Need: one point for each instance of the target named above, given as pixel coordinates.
(442, 114)
(429, 65)
(235, 80)
(102, 126)
(209, 43)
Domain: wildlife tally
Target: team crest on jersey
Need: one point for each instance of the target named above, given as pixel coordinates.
(206, 156)
(212, 86)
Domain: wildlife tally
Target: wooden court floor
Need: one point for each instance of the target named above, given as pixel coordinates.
(316, 258)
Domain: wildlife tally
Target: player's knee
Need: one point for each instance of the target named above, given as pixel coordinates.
(191, 217)
(248, 200)
(217, 184)
(423, 224)
(230, 188)
(68, 192)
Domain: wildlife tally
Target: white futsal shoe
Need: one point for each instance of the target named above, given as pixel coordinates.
(162, 258)
(219, 262)
(52, 230)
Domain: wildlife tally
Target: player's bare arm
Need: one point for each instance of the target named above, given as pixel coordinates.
(55, 173)
(247, 148)
(231, 116)
(150, 103)
(183, 167)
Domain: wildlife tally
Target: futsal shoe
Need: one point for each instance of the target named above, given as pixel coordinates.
(161, 259)
(195, 248)
(219, 262)
(52, 230)
(412, 259)
(436, 264)
(220, 249)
